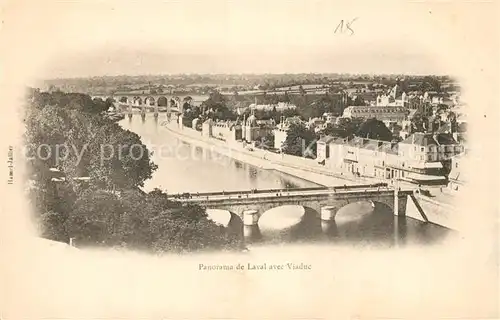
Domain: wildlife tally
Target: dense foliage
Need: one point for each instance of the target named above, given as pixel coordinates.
(300, 141)
(67, 138)
(344, 128)
(374, 129)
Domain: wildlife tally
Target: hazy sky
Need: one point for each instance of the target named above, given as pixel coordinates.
(132, 60)
(94, 38)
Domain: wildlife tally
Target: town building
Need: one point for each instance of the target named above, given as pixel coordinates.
(206, 128)
(222, 130)
(226, 131)
(421, 158)
(316, 124)
(386, 114)
(323, 148)
(280, 106)
(329, 117)
(280, 132)
(395, 98)
(252, 130)
(196, 124)
(179, 121)
(457, 177)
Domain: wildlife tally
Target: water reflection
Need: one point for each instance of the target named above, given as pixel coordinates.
(238, 164)
(400, 230)
(373, 227)
(329, 229)
(252, 173)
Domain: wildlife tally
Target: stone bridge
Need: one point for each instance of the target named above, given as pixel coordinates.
(326, 202)
(160, 100)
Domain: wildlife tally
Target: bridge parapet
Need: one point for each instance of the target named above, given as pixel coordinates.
(362, 187)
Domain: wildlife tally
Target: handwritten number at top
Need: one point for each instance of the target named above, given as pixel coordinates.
(345, 27)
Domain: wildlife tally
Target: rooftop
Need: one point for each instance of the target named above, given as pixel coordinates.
(421, 139)
(369, 144)
(428, 139)
(326, 139)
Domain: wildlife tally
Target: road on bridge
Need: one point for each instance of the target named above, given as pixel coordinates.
(248, 194)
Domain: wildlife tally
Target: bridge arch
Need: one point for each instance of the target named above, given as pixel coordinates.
(137, 100)
(232, 222)
(187, 99)
(357, 221)
(149, 100)
(177, 101)
(363, 213)
(383, 206)
(289, 222)
(355, 211)
(312, 210)
(162, 101)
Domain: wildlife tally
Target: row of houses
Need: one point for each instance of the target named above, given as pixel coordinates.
(280, 106)
(421, 158)
(397, 97)
(231, 131)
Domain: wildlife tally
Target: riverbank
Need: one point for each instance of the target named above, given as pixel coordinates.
(298, 167)
(439, 212)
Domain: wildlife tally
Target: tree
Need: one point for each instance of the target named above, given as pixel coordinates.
(286, 98)
(430, 84)
(52, 226)
(266, 142)
(275, 115)
(344, 128)
(118, 159)
(302, 91)
(357, 101)
(300, 141)
(114, 158)
(374, 129)
(216, 104)
(462, 127)
(188, 229)
(96, 219)
(418, 123)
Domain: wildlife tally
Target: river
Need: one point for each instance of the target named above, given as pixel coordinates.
(186, 168)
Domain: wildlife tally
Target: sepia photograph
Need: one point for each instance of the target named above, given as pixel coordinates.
(249, 160)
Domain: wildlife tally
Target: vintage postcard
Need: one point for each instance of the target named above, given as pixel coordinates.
(249, 160)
